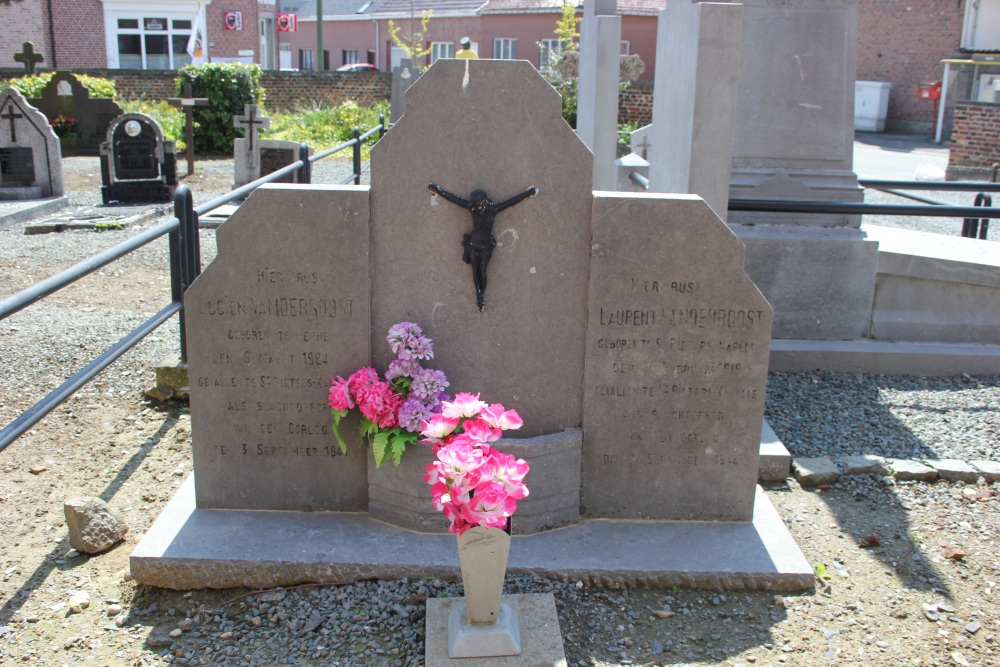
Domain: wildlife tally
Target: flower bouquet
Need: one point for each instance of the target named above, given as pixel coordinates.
(473, 483)
(393, 410)
(64, 126)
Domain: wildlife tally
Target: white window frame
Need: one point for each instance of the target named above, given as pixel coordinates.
(626, 48)
(350, 56)
(505, 48)
(179, 10)
(442, 50)
(547, 48)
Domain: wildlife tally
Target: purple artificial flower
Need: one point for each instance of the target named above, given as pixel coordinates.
(400, 336)
(413, 413)
(402, 368)
(428, 383)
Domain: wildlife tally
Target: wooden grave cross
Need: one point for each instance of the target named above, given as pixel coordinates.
(251, 124)
(28, 57)
(188, 103)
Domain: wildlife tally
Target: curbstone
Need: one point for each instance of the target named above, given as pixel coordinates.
(815, 471)
(905, 470)
(865, 464)
(990, 470)
(954, 470)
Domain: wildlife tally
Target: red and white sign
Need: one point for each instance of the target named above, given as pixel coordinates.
(233, 20)
(288, 22)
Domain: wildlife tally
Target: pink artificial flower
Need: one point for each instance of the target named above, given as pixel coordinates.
(479, 431)
(508, 471)
(439, 426)
(459, 457)
(360, 380)
(340, 396)
(465, 405)
(380, 404)
(497, 417)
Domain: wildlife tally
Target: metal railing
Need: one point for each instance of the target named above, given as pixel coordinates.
(976, 217)
(185, 266)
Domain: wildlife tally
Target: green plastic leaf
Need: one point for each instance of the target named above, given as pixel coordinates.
(379, 448)
(337, 416)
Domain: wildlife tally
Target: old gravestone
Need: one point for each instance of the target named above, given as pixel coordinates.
(64, 95)
(660, 359)
(137, 164)
(256, 157)
(30, 160)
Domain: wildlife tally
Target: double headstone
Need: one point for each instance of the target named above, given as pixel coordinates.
(137, 164)
(30, 160)
(628, 316)
(65, 96)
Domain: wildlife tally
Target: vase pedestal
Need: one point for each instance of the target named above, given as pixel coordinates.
(478, 640)
(541, 639)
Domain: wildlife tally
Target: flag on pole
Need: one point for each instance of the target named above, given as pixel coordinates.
(196, 46)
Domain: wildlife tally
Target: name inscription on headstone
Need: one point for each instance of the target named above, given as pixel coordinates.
(17, 166)
(676, 369)
(273, 318)
(136, 159)
(273, 159)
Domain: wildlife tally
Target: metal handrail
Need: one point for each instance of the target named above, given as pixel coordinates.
(185, 266)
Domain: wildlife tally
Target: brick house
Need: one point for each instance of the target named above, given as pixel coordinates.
(131, 34)
(358, 30)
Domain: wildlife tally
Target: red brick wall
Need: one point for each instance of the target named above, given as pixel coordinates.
(228, 43)
(23, 22)
(975, 140)
(903, 42)
(79, 28)
(635, 104)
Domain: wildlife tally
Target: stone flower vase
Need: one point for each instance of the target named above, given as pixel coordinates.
(482, 626)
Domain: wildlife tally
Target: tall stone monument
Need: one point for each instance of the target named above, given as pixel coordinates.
(794, 140)
(597, 116)
(30, 159)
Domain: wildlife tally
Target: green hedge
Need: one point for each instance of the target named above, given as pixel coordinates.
(31, 86)
(228, 87)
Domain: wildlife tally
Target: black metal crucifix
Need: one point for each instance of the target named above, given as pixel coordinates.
(479, 243)
(188, 103)
(12, 117)
(28, 57)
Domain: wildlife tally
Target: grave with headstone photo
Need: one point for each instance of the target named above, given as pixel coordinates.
(137, 164)
(30, 161)
(65, 96)
(628, 318)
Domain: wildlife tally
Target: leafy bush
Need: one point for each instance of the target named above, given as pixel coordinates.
(228, 87)
(324, 126)
(31, 86)
(170, 117)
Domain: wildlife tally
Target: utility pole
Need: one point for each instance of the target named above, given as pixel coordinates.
(320, 64)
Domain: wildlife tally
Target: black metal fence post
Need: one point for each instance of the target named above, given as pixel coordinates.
(305, 171)
(381, 125)
(185, 261)
(976, 227)
(357, 156)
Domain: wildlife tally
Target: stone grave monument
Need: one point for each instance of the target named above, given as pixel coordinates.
(137, 164)
(29, 57)
(403, 77)
(256, 157)
(30, 160)
(627, 316)
(64, 95)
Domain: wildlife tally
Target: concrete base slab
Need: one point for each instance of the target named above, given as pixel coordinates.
(885, 358)
(189, 548)
(541, 640)
(13, 212)
(775, 463)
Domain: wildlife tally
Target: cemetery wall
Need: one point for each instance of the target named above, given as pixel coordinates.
(635, 104)
(923, 32)
(975, 140)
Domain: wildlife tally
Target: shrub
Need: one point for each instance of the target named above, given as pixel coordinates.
(228, 87)
(325, 126)
(31, 86)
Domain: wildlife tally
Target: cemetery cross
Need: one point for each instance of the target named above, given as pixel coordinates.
(12, 117)
(188, 103)
(28, 57)
(249, 122)
(479, 243)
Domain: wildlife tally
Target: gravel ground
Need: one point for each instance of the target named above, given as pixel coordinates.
(909, 571)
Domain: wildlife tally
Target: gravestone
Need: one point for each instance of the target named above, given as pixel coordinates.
(137, 164)
(30, 161)
(677, 353)
(629, 316)
(597, 117)
(64, 95)
(251, 122)
(271, 155)
(403, 77)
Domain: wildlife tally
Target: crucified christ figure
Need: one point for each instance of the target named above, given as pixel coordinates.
(479, 243)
